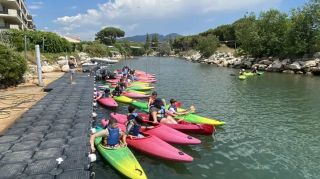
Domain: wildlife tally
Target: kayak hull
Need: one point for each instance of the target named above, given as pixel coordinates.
(187, 127)
(108, 102)
(122, 159)
(123, 99)
(153, 146)
(163, 132)
(134, 95)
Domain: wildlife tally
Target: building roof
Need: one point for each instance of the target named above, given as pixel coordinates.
(72, 39)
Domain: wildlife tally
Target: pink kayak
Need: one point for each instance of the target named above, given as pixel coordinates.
(187, 127)
(108, 102)
(153, 146)
(134, 95)
(163, 132)
(146, 81)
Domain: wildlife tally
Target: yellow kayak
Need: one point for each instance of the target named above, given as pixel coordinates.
(122, 99)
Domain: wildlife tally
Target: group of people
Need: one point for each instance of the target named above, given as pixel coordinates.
(253, 70)
(114, 137)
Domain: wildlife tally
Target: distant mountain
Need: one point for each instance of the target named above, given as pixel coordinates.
(142, 38)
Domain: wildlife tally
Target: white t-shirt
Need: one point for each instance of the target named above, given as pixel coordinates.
(171, 109)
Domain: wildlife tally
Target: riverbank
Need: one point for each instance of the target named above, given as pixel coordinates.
(15, 101)
(308, 66)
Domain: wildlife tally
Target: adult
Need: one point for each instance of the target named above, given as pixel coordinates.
(158, 113)
(72, 67)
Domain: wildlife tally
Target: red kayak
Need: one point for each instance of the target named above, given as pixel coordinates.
(163, 132)
(182, 126)
(108, 102)
(187, 127)
(153, 146)
(134, 95)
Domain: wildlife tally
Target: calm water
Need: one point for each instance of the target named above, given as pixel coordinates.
(272, 123)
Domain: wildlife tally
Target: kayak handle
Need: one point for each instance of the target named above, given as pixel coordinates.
(189, 137)
(181, 153)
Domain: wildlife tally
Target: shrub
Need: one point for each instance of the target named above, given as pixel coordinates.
(97, 50)
(12, 67)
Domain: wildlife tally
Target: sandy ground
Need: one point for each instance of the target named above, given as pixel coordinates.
(17, 100)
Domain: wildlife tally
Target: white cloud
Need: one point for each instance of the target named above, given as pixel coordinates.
(35, 5)
(128, 14)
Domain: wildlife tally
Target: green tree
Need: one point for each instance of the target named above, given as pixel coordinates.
(109, 35)
(154, 41)
(164, 49)
(247, 35)
(207, 45)
(272, 28)
(147, 44)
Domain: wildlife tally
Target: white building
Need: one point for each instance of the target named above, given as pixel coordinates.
(14, 15)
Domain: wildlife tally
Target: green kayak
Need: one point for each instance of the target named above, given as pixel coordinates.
(141, 88)
(194, 118)
(248, 74)
(122, 159)
(242, 77)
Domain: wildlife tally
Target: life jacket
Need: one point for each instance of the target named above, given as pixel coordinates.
(136, 126)
(116, 93)
(113, 138)
(106, 93)
(174, 107)
(161, 113)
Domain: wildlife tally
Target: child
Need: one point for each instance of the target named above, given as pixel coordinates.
(134, 122)
(112, 134)
(157, 113)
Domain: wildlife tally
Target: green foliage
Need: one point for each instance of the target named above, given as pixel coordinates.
(96, 49)
(225, 33)
(154, 41)
(207, 45)
(272, 33)
(109, 35)
(52, 42)
(148, 43)
(247, 34)
(12, 67)
(164, 49)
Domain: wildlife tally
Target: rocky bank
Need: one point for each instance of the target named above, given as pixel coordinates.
(271, 64)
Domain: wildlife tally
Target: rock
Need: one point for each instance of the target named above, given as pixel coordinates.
(62, 58)
(195, 57)
(294, 66)
(315, 70)
(286, 61)
(310, 63)
(47, 69)
(299, 72)
(308, 73)
(288, 71)
(262, 67)
(276, 66)
(247, 64)
(316, 55)
(56, 68)
(265, 62)
(62, 62)
(225, 63)
(65, 68)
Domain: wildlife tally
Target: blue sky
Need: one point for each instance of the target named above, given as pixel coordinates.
(83, 18)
